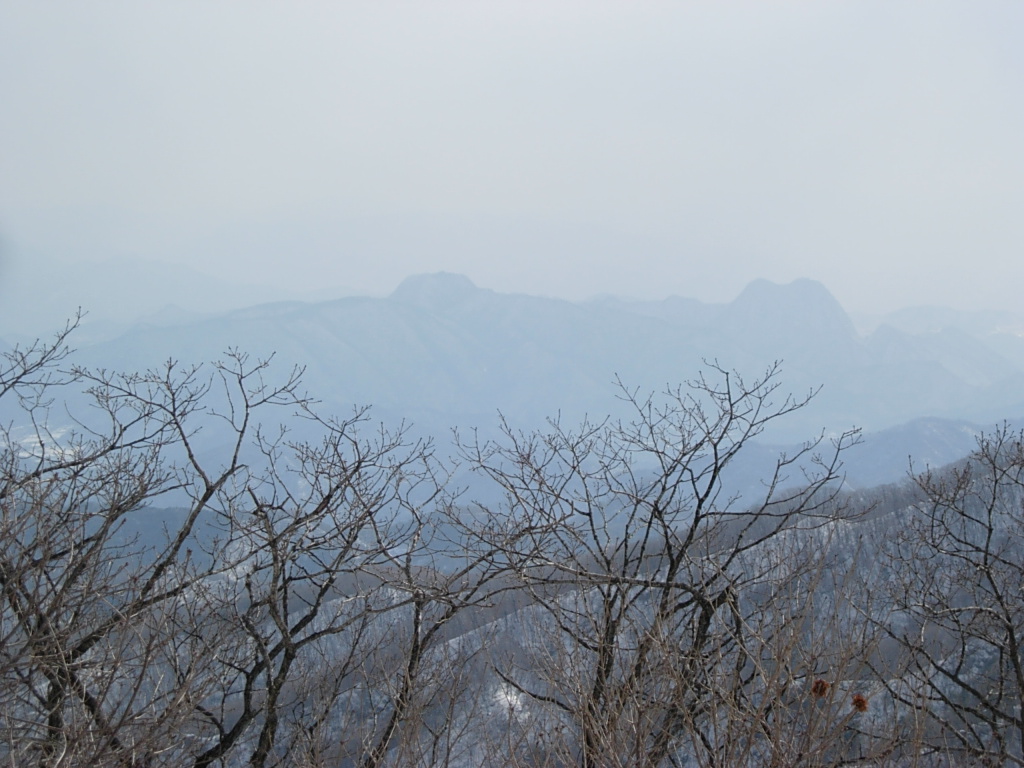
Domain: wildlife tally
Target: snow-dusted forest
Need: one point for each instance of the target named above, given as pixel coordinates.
(183, 582)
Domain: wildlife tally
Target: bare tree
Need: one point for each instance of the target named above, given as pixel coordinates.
(304, 545)
(186, 639)
(955, 572)
(298, 603)
(647, 568)
(69, 583)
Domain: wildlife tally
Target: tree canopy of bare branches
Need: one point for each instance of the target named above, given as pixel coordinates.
(958, 607)
(654, 582)
(198, 568)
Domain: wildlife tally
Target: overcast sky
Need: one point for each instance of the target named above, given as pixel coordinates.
(561, 148)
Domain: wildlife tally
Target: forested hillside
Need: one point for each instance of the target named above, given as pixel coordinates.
(185, 580)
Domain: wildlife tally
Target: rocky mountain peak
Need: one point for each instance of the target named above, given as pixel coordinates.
(802, 304)
(434, 291)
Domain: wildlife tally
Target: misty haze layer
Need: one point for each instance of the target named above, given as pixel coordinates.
(566, 149)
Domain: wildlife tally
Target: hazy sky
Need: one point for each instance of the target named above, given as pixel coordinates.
(562, 148)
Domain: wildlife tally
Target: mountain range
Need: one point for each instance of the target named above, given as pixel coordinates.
(440, 352)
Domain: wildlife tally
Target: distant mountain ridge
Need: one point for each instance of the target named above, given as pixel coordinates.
(442, 352)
